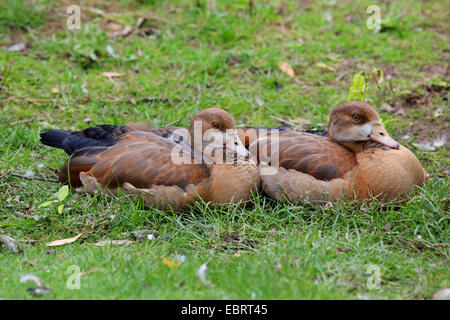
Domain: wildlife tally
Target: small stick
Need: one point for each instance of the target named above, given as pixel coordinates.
(171, 123)
(33, 178)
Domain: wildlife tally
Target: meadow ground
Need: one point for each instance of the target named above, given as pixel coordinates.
(181, 57)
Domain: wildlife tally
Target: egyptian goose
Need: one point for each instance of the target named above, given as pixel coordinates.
(165, 171)
(356, 158)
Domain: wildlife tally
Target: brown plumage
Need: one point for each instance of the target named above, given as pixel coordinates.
(145, 163)
(358, 159)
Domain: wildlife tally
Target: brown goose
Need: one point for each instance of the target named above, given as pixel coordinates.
(164, 171)
(357, 158)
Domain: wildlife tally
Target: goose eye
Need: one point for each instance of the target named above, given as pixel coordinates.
(216, 125)
(356, 117)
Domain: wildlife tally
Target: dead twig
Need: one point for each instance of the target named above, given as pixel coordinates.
(33, 178)
(171, 123)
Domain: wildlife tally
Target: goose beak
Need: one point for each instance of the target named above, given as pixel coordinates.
(380, 135)
(236, 146)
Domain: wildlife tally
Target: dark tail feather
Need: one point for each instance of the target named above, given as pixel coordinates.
(54, 138)
(68, 141)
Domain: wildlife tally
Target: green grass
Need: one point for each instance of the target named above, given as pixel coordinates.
(191, 59)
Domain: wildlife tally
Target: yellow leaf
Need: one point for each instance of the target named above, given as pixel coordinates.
(63, 241)
(170, 264)
(324, 66)
(286, 68)
(55, 90)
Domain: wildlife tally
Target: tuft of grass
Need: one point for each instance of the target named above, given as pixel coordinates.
(22, 15)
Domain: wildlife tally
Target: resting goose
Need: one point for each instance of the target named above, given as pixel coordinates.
(356, 158)
(208, 161)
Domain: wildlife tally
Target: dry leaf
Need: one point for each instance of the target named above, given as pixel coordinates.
(170, 264)
(9, 243)
(286, 68)
(63, 241)
(113, 26)
(324, 66)
(259, 101)
(440, 140)
(386, 107)
(112, 74)
(124, 32)
(201, 272)
(31, 277)
(55, 90)
(17, 47)
(400, 112)
(443, 294)
(106, 242)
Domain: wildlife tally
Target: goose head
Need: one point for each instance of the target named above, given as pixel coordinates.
(213, 131)
(353, 123)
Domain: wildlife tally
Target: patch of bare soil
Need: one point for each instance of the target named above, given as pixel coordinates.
(434, 123)
(422, 98)
(233, 241)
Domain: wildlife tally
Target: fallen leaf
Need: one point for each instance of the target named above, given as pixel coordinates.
(201, 272)
(38, 292)
(443, 294)
(400, 112)
(63, 241)
(286, 68)
(386, 107)
(432, 145)
(440, 140)
(31, 277)
(424, 146)
(55, 90)
(170, 264)
(113, 26)
(124, 32)
(83, 88)
(111, 51)
(324, 66)
(112, 74)
(17, 47)
(9, 243)
(107, 242)
(259, 101)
